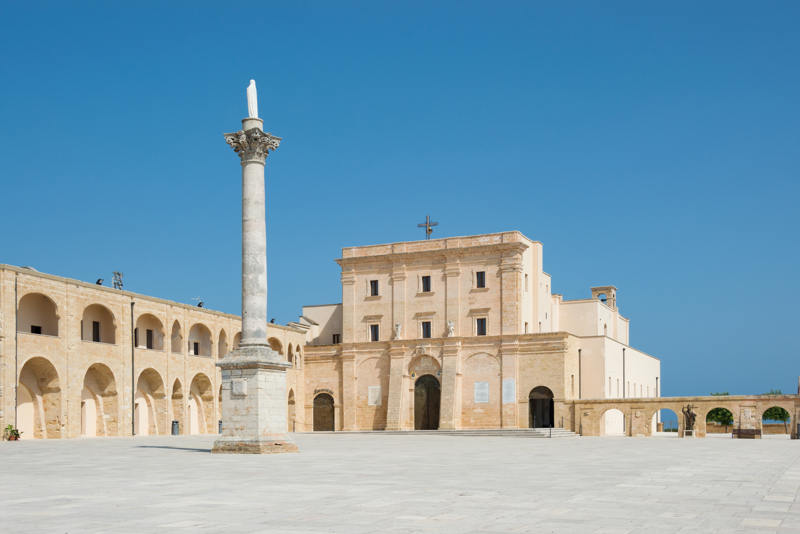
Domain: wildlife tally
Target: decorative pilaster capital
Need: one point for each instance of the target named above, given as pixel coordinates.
(252, 144)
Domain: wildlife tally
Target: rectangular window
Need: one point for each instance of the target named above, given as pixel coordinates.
(374, 332)
(480, 279)
(526, 282)
(149, 338)
(135, 337)
(426, 329)
(196, 348)
(96, 331)
(337, 338)
(426, 284)
(373, 288)
(526, 327)
(36, 329)
(480, 326)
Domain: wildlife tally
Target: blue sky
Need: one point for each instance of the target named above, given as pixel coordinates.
(653, 148)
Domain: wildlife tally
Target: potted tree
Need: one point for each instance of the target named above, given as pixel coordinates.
(11, 433)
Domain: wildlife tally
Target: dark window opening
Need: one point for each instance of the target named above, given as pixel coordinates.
(480, 279)
(96, 331)
(135, 337)
(480, 326)
(36, 329)
(149, 338)
(196, 347)
(426, 329)
(373, 288)
(337, 338)
(374, 332)
(426, 284)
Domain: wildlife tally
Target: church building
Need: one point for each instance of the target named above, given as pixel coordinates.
(464, 333)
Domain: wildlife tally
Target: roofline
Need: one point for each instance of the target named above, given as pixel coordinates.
(444, 239)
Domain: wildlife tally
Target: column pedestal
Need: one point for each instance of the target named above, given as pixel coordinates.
(253, 402)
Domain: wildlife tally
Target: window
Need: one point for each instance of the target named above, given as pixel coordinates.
(373, 288)
(35, 329)
(480, 279)
(96, 331)
(480, 326)
(196, 348)
(149, 338)
(526, 327)
(526, 282)
(337, 338)
(426, 284)
(426, 329)
(135, 337)
(374, 332)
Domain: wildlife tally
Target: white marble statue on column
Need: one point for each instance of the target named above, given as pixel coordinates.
(252, 100)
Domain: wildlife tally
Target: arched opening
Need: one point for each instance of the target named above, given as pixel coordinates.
(427, 395)
(176, 338)
(38, 315)
(177, 405)
(664, 423)
(199, 340)
(540, 408)
(39, 406)
(602, 297)
(149, 404)
(149, 333)
(298, 358)
(98, 324)
(222, 345)
(219, 404)
(275, 345)
(290, 354)
(613, 423)
(776, 421)
(323, 413)
(201, 405)
(291, 412)
(99, 409)
(719, 422)
(237, 340)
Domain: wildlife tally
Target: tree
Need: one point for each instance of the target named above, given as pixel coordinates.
(720, 416)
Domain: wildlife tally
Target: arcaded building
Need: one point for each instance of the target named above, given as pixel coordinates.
(464, 333)
(454, 333)
(90, 360)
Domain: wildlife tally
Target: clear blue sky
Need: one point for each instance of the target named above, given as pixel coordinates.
(653, 149)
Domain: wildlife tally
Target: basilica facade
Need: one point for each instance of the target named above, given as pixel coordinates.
(452, 333)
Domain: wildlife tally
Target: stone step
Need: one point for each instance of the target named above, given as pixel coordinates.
(510, 432)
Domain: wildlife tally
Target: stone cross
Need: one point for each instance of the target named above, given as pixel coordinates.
(428, 225)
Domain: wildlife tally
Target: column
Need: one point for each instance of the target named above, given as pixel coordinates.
(349, 393)
(450, 404)
(395, 412)
(254, 402)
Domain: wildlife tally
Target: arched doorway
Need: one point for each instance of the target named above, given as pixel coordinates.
(540, 407)
(149, 404)
(99, 402)
(427, 395)
(39, 406)
(776, 420)
(201, 405)
(177, 405)
(665, 423)
(323, 413)
(613, 423)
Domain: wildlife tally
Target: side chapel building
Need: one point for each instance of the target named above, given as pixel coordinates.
(452, 333)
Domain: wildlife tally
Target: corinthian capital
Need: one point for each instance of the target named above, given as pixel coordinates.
(252, 144)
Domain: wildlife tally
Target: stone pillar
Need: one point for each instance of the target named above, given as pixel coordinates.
(349, 393)
(509, 356)
(395, 412)
(254, 403)
(450, 403)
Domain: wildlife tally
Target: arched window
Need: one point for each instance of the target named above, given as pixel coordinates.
(38, 315)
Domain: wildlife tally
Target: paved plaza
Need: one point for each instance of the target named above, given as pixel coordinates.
(363, 483)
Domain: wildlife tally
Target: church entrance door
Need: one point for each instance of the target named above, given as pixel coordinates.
(427, 394)
(540, 402)
(323, 413)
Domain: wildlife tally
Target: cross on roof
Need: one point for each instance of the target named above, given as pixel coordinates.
(428, 225)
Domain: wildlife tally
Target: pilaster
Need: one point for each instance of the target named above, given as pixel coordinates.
(452, 273)
(349, 391)
(397, 386)
(450, 403)
(509, 362)
(398, 279)
(348, 305)
(510, 294)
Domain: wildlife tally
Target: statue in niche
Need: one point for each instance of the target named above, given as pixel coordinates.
(397, 329)
(688, 417)
(451, 328)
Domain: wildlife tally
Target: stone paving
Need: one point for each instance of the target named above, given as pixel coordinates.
(403, 483)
